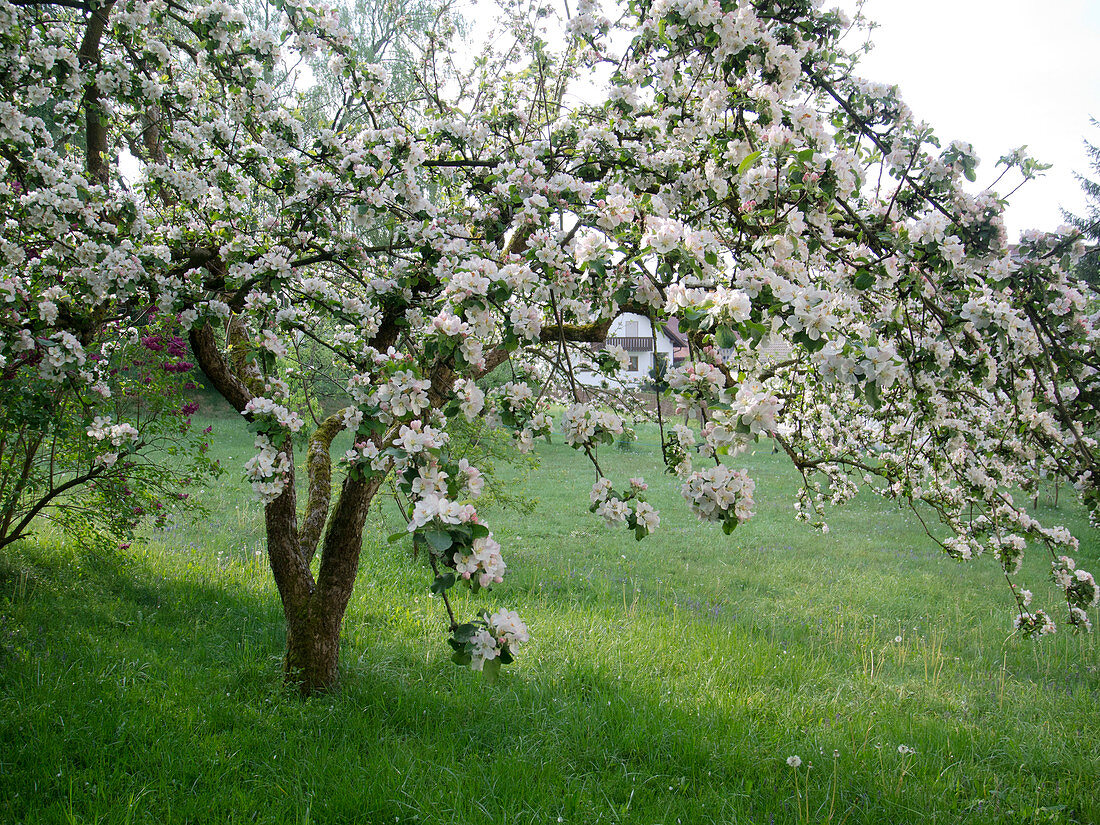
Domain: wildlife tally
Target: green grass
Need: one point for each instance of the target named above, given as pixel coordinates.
(666, 681)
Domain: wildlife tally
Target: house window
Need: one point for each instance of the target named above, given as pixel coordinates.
(632, 328)
(633, 366)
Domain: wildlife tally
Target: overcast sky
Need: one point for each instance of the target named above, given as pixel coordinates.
(1000, 74)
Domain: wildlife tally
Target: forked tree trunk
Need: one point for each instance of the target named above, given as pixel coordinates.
(312, 653)
(313, 624)
(314, 607)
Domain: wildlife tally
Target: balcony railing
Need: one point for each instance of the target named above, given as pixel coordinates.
(638, 344)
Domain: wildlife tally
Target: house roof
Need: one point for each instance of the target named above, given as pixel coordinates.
(672, 330)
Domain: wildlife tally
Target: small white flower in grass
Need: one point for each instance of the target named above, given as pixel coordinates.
(794, 761)
(905, 750)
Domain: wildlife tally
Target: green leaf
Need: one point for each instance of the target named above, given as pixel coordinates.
(442, 582)
(491, 669)
(873, 397)
(440, 540)
(864, 279)
(465, 632)
(397, 536)
(756, 331)
(462, 658)
(729, 525)
(724, 337)
(813, 345)
(747, 162)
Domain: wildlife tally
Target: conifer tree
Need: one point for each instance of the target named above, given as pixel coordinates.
(1088, 268)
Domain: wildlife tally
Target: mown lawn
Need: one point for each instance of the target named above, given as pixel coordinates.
(666, 681)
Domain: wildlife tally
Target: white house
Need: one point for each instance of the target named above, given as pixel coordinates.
(635, 335)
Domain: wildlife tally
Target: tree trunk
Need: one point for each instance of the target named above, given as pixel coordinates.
(312, 652)
(313, 620)
(314, 607)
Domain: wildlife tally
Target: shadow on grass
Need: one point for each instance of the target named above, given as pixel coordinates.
(134, 691)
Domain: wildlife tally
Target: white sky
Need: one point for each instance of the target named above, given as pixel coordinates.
(999, 74)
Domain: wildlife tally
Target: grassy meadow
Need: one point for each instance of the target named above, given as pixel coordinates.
(667, 681)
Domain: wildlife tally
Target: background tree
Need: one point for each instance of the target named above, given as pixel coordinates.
(731, 171)
(1088, 267)
(95, 389)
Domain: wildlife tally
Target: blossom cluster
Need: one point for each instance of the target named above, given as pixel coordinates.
(515, 406)
(755, 409)
(268, 470)
(364, 458)
(116, 435)
(1080, 588)
(102, 429)
(697, 381)
(628, 507)
(440, 489)
(492, 640)
(265, 410)
(481, 560)
(585, 426)
(677, 448)
(403, 394)
(720, 494)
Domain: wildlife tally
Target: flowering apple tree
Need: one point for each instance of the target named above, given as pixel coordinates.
(729, 170)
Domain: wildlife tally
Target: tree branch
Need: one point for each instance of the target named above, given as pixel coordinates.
(216, 368)
(95, 132)
(319, 473)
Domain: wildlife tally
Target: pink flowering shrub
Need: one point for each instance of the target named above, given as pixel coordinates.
(105, 453)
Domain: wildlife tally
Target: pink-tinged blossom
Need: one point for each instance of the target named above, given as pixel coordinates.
(483, 562)
(509, 628)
